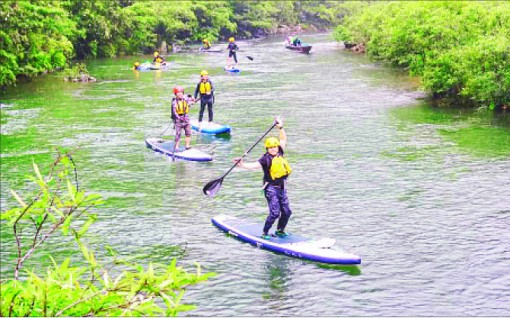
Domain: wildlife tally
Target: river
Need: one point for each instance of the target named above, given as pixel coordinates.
(420, 193)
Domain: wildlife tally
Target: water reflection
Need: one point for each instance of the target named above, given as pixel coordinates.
(277, 274)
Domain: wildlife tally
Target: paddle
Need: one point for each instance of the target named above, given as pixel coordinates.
(164, 131)
(247, 56)
(177, 137)
(212, 187)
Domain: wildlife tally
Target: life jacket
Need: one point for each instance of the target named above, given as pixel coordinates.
(181, 107)
(158, 60)
(279, 167)
(205, 87)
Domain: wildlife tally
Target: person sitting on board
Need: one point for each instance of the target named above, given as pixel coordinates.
(206, 45)
(180, 110)
(276, 170)
(206, 90)
(136, 66)
(296, 41)
(158, 58)
(232, 49)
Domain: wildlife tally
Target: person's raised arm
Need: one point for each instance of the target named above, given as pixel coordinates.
(283, 135)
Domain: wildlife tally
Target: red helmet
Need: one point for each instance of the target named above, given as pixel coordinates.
(178, 89)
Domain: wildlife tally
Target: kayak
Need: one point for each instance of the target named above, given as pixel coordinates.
(210, 128)
(166, 148)
(232, 69)
(301, 49)
(318, 250)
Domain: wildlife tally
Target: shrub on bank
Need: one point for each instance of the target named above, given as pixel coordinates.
(460, 49)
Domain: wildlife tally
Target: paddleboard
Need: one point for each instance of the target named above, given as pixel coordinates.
(166, 148)
(318, 250)
(147, 66)
(232, 70)
(210, 128)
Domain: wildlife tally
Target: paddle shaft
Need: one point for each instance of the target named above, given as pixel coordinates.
(177, 136)
(248, 151)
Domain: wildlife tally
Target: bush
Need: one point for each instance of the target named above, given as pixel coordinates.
(59, 206)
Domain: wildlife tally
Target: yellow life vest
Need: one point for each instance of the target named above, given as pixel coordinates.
(279, 167)
(205, 87)
(181, 107)
(159, 60)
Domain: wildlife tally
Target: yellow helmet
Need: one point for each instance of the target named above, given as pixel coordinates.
(137, 64)
(231, 39)
(203, 73)
(156, 54)
(272, 142)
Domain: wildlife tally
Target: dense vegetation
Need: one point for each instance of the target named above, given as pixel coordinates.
(41, 36)
(80, 288)
(459, 49)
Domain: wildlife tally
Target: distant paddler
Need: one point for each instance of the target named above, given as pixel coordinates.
(206, 45)
(158, 59)
(206, 90)
(232, 49)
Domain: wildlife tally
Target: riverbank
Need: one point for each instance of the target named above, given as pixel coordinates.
(469, 67)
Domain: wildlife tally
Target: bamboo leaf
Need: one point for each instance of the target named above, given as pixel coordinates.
(17, 197)
(37, 172)
(67, 223)
(85, 227)
(71, 190)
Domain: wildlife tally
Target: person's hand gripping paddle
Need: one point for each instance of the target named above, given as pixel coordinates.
(212, 187)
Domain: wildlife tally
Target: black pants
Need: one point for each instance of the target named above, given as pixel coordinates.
(209, 102)
(279, 208)
(233, 54)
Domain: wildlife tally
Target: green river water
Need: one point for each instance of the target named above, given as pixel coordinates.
(420, 193)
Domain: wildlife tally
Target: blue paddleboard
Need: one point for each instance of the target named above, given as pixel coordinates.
(210, 128)
(166, 148)
(147, 66)
(232, 69)
(318, 250)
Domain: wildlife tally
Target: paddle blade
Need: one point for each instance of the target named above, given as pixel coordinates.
(250, 58)
(211, 188)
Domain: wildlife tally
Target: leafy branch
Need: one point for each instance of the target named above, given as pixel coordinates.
(85, 290)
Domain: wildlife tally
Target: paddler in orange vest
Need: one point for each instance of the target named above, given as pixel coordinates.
(180, 110)
(206, 90)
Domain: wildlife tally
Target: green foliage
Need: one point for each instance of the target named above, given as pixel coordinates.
(92, 289)
(460, 49)
(34, 38)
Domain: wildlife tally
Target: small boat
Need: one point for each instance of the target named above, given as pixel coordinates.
(299, 48)
(167, 148)
(210, 128)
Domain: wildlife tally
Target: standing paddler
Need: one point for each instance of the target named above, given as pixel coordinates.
(276, 170)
